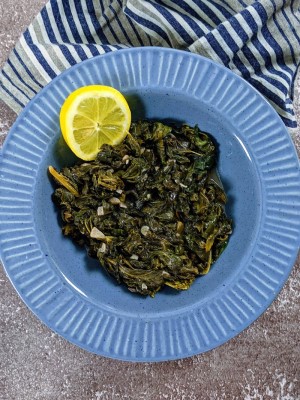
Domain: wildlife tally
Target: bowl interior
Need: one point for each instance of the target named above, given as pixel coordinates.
(239, 178)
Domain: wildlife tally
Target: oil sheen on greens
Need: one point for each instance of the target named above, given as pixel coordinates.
(148, 208)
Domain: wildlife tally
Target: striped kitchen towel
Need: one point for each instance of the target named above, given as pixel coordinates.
(258, 40)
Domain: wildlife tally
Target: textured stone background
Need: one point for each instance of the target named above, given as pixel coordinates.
(263, 362)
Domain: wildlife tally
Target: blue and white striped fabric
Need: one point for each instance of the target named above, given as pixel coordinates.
(259, 40)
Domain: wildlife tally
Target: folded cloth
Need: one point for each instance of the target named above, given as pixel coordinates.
(258, 40)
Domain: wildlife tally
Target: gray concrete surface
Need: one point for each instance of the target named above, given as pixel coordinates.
(35, 363)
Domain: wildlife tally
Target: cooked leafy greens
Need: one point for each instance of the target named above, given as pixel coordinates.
(148, 208)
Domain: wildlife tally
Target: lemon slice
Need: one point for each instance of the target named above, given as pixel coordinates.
(92, 116)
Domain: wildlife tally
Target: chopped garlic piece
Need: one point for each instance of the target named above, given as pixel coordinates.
(114, 200)
(102, 248)
(96, 234)
(100, 210)
(134, 257)
(144, 230)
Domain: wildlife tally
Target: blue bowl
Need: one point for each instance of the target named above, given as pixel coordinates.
(259, 169)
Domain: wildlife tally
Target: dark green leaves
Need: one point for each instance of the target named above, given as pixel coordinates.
(148, 208)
